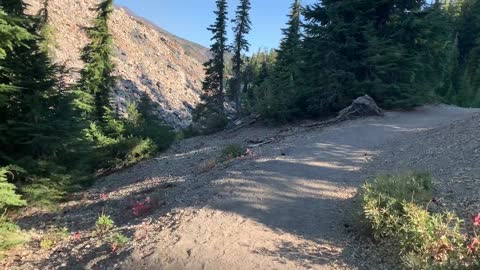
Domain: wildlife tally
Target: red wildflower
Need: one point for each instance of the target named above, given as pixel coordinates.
(103, 196)
(473, 246)
(141, 208)
(76, 236)
(476, 220)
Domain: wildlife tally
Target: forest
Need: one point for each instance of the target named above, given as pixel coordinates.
(57, 138)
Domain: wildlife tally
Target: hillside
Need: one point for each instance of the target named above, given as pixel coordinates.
(148, 59)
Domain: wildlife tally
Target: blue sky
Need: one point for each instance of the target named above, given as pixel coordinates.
(190, 18)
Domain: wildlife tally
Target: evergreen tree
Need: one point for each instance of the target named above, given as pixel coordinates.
(390, 50)
(213, 84)
(258, 70)
(97, 81)
(13, 7)
(12, 35)
(8, 197)
(241, 28)
(287, 70)
(32, 114)
(468, 92)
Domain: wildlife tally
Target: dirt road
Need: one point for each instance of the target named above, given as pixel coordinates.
(286, 208)
(283, 207)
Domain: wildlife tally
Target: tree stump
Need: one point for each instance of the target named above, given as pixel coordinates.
(361, 107)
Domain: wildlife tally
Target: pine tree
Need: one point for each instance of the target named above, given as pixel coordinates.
(32, 113)
(287, 69)
(241, 28)
(13, 7)
(97, 81)
(12, 35)
(8, 197)
(390, 50)
(213, 84)
(468, 93)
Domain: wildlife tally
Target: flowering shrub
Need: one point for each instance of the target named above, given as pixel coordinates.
(394, 207)
(141, 208)
(476, 221)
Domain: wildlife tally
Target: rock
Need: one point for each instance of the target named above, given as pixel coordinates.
(361, 107)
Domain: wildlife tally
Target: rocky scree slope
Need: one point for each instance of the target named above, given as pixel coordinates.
(148, 60)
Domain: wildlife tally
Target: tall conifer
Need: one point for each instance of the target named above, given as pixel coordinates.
(287, 70)
(213, 84)
(97, 81)
(241, 28)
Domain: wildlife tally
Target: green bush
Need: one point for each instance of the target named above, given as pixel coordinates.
(395, 209)
(104, 224)
(8, 197)
(10, 234)
(232, 151)
(207, 121)
(117, 241)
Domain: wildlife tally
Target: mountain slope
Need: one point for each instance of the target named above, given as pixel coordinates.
(148, 59)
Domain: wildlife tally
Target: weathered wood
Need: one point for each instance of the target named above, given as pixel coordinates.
(361, 107)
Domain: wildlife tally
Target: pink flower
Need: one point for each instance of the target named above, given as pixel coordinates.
(476, 220)
(77, 236)
(103, 196)
(473, 246)
(141, 208)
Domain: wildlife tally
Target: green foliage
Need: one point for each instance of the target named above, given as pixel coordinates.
(286, 80)
(53, 237)
(60, 137)
(118, 240)
(206, 121)
(213, 84)
(464, 88)
(96, 77)
(394, 207)
(104, 224)
(8, 197)
(232, 151)
(10, 234)
(241, 28)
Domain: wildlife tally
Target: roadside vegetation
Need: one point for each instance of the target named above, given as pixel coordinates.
(57, 138)
(397, 211)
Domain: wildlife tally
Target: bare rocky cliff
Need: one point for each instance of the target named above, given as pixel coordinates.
(149, 60)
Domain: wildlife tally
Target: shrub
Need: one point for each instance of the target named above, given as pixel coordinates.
(132, 150)
(394, 207)
(8, 197)
(207, 165)
(207, 121)
(104, 224)
(10, 234)
(233, 151)
(117, 241)
(53, 238)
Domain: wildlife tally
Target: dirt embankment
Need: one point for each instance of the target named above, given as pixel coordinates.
(148, 59)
